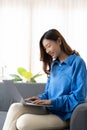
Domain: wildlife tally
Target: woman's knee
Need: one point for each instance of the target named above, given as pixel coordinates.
(26, 122)
(15, 106)
(22, 123)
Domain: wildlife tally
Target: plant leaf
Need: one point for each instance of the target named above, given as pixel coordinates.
(32, 80)
(27, 75)
(21, 71)
(16, 77)
(36, 75)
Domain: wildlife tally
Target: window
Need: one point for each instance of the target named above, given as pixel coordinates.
(15, 37)
(23, 22)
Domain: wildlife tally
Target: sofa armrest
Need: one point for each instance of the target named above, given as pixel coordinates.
(79, 118)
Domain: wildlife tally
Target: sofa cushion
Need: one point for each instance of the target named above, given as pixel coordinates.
(2, 118)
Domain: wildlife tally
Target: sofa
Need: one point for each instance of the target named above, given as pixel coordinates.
(79, 116)
(26, 90)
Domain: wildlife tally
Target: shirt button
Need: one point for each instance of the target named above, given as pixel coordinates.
(59, 64)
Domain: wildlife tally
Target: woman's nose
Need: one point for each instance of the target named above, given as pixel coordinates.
(47, 50)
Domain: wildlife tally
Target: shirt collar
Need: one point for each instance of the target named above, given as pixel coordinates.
(69, 59)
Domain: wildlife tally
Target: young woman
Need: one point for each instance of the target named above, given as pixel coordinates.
(65, 88)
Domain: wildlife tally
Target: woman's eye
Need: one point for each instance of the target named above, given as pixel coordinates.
(48, 46)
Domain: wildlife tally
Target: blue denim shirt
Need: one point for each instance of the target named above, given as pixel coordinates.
(66, 86)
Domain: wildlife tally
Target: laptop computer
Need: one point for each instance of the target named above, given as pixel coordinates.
(16, 95)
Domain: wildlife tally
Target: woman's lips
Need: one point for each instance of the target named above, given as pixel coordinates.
(52, 54)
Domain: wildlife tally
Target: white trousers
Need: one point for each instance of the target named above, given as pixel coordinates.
(21, 117)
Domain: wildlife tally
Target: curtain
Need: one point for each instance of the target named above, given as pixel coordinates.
(68, 16)
(15, 31)
(23, 22)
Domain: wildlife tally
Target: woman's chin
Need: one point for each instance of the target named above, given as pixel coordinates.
(54, 57)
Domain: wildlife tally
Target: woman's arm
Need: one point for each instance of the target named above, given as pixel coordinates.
(77, 95)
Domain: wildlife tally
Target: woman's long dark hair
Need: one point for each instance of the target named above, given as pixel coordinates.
(53, 35)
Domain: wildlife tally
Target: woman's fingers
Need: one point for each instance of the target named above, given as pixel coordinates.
(39, 101)
(31, 99)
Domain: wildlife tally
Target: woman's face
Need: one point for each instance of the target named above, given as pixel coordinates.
(52, 48)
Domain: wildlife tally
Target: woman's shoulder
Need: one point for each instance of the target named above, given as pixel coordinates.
(79, 60)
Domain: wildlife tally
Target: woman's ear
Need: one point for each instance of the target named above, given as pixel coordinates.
(59, 41)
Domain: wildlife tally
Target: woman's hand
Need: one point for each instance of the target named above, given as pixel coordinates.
(31, 99)
(40, 101)
(36, 100)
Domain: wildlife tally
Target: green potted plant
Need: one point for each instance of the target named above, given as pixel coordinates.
(24, 74)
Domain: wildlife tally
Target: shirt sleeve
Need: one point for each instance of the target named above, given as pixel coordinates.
(77, 95)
